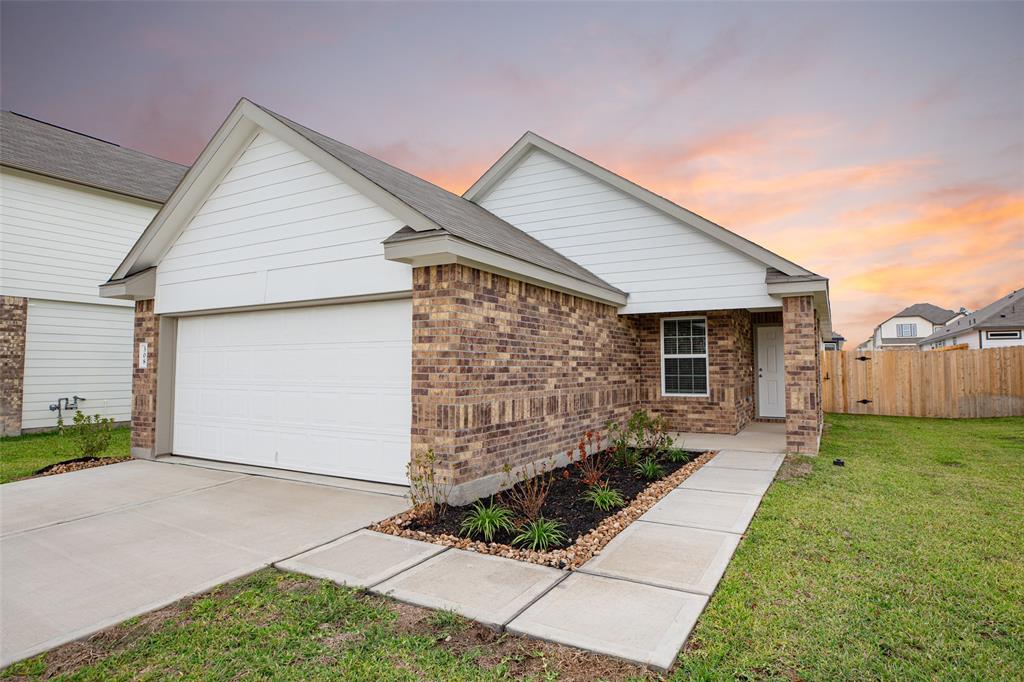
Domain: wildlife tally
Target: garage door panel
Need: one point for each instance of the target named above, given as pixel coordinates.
(323, 389)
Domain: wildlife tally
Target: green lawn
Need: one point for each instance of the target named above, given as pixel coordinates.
(22, 456)
(906, 564)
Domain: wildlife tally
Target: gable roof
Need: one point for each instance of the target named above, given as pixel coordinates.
(38, 147)
(531, 141)
(1007, 311)
(430, 213)
(932, 313)
(451, 213)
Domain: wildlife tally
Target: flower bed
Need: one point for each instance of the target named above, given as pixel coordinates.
(562, 499)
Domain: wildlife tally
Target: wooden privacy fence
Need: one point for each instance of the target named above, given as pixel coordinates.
(960, 383)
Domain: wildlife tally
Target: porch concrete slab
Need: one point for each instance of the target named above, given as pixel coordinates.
(362, 559)
(674, 557)
(44, 501)
(488, 589)
(274, 517)
(639, 623)
(726, 512)
(756, 437)
(740, 459)
(723, 480)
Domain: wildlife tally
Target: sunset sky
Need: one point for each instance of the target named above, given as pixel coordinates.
(881, 145)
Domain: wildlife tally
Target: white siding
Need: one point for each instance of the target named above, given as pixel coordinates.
(970, 337)
(889, 328)
(279, 228)
(662, 263)
(77, 349)
(60, 241)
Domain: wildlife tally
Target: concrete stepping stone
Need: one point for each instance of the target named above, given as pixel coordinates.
(640, 623)
(674, 557)
(727, 512)
(488, 589)
(724, 480)
(739, 459)
(362, 559)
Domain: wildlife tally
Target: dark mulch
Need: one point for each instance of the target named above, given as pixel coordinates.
(564, 503)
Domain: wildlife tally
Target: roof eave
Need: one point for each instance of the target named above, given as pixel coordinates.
(440, 248)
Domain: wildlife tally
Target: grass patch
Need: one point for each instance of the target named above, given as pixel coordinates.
(907, 563)
(23, 456)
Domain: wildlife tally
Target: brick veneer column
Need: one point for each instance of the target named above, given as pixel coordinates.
(803, 387)
(147, 329)
(13, 320)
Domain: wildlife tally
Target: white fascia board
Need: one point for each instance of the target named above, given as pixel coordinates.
(445, 248)
(531, 140)
(818, 290)
(137, 287)
(227, 144)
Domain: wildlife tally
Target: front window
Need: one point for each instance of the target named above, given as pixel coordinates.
(684, 356)
(1014, 334)
(906, 330)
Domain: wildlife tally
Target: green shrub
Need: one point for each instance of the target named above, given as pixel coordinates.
(87, 436)
(604, 498)
(675, 455)
(486, 520)
(649, 469)
(539, 534)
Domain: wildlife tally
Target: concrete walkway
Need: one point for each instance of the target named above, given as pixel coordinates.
(85, 550)
(637, 600)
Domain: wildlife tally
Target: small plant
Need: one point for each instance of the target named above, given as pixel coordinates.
(526, 492)
(649, 469)
(539, 534)
(675, 455)
(427, 489)
(486, 520)
(604, 498)
(89, 436)
(647, 433)
(626, 457)
(592, 465)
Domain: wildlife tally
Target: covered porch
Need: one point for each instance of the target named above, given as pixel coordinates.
(754, 437)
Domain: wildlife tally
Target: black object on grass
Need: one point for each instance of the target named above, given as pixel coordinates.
(839, 462)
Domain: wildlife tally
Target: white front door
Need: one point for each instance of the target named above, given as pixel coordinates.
(323, 389)
(771, 384)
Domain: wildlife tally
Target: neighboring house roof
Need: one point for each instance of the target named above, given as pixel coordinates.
(30, 145)
(453, 214)
(932, 313)
(1008, 311)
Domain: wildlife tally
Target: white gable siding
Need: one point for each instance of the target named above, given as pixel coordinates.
(662, 263)
(60, 241)
(890, 328)
(279, 228)
(77, 349)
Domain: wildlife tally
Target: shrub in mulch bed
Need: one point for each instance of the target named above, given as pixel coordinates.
(587, 529)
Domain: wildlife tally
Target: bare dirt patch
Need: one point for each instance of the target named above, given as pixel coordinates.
(795, 467)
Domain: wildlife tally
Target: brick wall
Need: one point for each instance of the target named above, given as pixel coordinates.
(803, 380)
(147, 329)
(729, 405)
(13, 319)
(506, 372)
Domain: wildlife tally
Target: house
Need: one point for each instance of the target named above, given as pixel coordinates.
(997, 325)
(906, 328)
(300, 304)
(70, 206)
(835, 343)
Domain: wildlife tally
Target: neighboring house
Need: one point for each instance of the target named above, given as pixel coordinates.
(70, 205)
(835, 343)
(999, 324)
(302, 305)
(905, 329)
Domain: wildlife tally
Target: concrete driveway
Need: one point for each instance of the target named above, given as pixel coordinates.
(88, 549)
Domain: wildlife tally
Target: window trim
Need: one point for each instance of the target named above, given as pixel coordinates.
(662, 356)
(913, 330)
(1014, 335)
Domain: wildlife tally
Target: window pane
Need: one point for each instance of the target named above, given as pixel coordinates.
(686, 375)
(670, 327)
(700, 345)
(670, 345)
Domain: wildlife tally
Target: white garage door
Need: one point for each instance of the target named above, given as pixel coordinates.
(321, 389)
